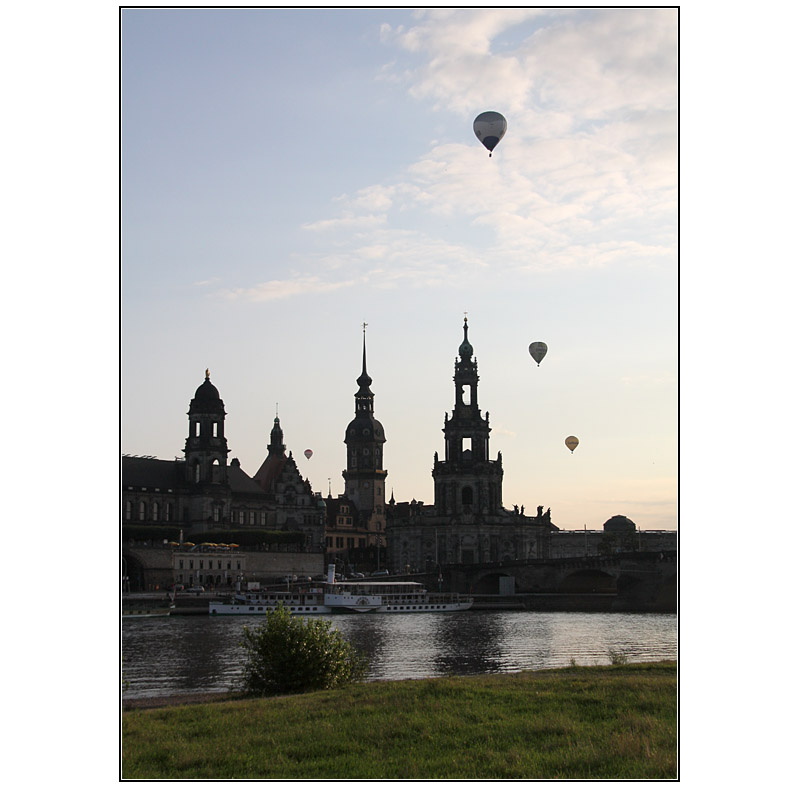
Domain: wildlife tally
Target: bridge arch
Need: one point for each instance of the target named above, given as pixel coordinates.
(587, 581)
(490, 583)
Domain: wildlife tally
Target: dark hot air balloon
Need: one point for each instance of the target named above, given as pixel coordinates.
(489, 128)
(308, 453)
(538, 351)
(572, 443)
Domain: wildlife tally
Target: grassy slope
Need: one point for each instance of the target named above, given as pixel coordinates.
(612, 722)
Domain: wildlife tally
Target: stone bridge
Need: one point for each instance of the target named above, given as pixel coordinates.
(637, 581)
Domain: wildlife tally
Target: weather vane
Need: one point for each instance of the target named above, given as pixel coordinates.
(364, 327)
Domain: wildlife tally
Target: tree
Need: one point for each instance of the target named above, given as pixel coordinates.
(288, 654)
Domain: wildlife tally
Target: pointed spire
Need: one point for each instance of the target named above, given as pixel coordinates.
(364, 380)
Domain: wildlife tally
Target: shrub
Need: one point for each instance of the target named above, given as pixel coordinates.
(288, 654)
(617, 657)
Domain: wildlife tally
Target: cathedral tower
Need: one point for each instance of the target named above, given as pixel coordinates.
(467, 481)
(364, 477)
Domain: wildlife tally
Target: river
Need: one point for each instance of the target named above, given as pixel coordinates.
(186, 654)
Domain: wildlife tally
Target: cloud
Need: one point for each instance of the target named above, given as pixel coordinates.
(349, 221)
(277, 289)
(586, 175)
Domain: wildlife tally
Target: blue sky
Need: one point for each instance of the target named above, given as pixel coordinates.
(290, 174)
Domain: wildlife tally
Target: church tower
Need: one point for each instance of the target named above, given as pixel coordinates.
(206, 446)
(365, 477)
(467, 482)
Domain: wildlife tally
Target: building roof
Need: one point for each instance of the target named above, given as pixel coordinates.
(240, 482)
(150, 472)
(270, 470)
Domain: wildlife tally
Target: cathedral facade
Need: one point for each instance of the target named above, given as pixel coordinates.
(467, 522)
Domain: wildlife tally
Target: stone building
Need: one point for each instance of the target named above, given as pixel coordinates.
(204, 493)
(618, 535)
(356, 520)
(467, 522)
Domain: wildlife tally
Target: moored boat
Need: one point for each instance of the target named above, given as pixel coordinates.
(345, 597)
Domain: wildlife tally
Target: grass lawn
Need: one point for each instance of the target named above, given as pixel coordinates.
(617, 721)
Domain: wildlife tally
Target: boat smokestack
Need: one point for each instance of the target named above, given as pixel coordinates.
(331, 573)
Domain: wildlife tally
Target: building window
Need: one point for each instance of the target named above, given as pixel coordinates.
(263, 518)
(191, 564)
(128, 510)
(197, 472)
(142, 514)
(155, 510)
(328, 541)
(201, 563)
(214, 429)
(339, 541)
(197, 429)
(168, 512)
(466, 495)
(229, 564)
(252, 518)
(241, 518)
(180, 563)
(216, 514)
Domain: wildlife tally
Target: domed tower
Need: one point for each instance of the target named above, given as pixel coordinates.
(364, 437)
(467, 481)
(206, 447)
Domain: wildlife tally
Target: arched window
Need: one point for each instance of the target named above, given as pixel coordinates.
(466, 495)
(142, 511)
(197, 472)
(128, 510)
(155, 510)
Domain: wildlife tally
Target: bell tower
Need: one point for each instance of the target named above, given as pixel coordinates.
(206, 446)
(364, 477)
(467, 481)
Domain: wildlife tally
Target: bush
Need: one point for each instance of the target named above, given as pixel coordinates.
(289, 654)
(617, 657)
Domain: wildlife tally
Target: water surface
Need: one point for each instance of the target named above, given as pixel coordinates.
(186, 654)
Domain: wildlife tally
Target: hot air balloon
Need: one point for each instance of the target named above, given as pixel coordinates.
(308, 453)
(538, 351)
(572, 443)
(489, 128)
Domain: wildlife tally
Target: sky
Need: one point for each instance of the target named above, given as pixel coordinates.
(289, 175)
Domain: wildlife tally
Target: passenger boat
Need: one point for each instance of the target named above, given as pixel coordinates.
(362, 596)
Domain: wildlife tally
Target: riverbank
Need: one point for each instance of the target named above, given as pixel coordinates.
(615, 721)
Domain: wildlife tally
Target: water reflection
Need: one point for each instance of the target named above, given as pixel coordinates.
(201, 654)
(468, 645)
